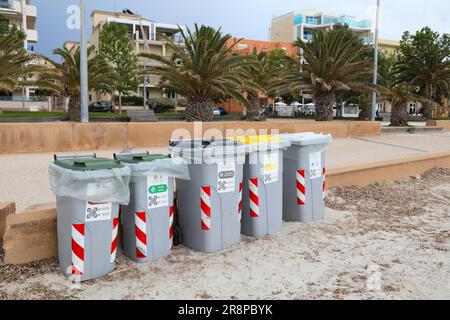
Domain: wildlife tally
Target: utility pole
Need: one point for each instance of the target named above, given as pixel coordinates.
(144, 36)
(375, 68)
(83, 66)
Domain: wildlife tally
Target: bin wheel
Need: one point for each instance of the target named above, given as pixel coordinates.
(177, 236)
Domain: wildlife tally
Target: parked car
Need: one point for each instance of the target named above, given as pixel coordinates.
(219, 112)
(101, 106)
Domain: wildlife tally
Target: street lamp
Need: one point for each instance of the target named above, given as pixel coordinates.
(375, 68)
(83, 66)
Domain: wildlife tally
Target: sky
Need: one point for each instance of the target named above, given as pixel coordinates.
(242, 18)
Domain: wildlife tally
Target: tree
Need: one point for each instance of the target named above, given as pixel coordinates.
(334, 60)
(14, 59)
(425, 62)
(204, 70)
(65, 77)
(118, 49)
(263, 77)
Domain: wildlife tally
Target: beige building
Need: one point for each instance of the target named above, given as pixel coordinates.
(22, 14)
(389, 47)
(154, 31)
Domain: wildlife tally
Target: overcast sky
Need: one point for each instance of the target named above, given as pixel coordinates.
(243, 18)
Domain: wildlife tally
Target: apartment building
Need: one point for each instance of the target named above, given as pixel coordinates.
(301, 25)
(22, 14)
(154, 31)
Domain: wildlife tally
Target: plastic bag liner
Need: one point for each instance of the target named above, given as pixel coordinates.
(209, 152)
(171, 167)
(111, 185)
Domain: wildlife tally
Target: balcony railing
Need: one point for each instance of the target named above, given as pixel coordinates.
(6, 4)
(176, 38)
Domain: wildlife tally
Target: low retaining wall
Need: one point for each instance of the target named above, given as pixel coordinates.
(445, 124)
(386, 171)
(31, 236)
(61, 137)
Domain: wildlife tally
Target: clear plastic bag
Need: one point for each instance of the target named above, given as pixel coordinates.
(111, 185)
(172, 168)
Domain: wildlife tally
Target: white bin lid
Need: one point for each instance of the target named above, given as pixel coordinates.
(308, 138)
(210, 150)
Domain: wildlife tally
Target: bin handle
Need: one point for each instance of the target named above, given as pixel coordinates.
(74, 156)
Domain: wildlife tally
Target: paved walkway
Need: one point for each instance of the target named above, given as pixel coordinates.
(24, 179)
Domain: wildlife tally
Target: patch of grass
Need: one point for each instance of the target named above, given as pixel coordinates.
(47, 114)
(108, 115)
(29, 114)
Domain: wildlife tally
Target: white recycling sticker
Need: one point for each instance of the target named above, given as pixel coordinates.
(315, 165)
(157, 191)
(98, 211)
(226, 177)
(270, 167)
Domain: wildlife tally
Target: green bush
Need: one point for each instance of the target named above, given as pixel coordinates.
(130, 101)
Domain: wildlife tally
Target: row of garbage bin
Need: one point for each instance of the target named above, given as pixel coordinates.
(243, 185)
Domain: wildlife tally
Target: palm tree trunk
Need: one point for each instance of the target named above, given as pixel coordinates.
(253, 112)
(199, 108)
(325, 101)
(399, 115)
(428, 107)
(75, 107)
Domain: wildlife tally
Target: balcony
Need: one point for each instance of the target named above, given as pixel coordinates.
(30, 10)
(6, 4)
(159, 37)
(32, 35)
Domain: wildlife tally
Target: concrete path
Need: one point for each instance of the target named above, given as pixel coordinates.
(24, 178)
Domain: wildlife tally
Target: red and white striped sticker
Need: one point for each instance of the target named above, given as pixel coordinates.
(254, 197)
(240, 203)
(301, 188)
(141, 234)
(77, 249)
(171, 210)
(205, 204)
(324, 186)
(115, 236)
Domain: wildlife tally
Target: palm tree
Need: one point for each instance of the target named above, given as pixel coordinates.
(204, 71)
(335, 60)
(65, 77)
(14, 62)
(425, 62)
(400, 93)
(430, 71)
(263, 77)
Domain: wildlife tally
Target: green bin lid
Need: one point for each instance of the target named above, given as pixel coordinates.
(137, 158)
(86, 164)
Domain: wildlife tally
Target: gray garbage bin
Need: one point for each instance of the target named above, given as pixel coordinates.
(262, 205)
(208, 204)
(147, 222)
(88, 191)
(304, 177)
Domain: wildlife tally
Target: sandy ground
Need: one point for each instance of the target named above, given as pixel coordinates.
(379, 242)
